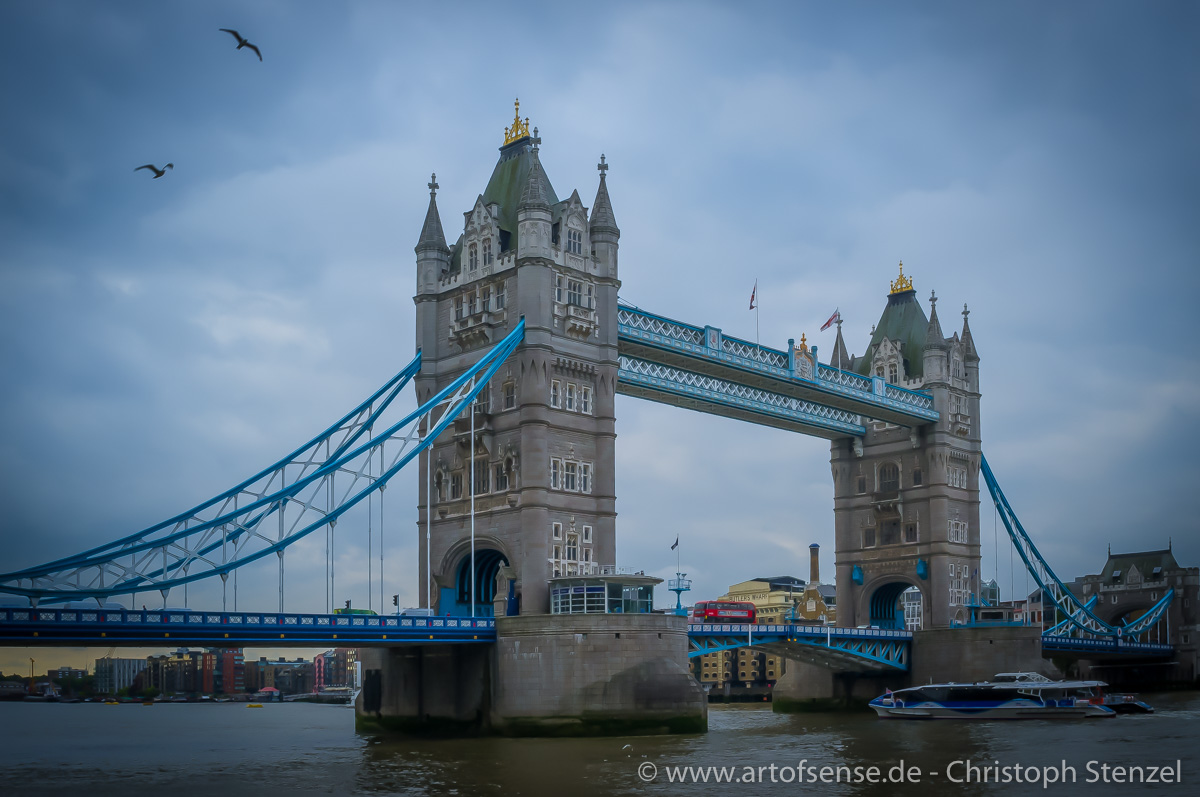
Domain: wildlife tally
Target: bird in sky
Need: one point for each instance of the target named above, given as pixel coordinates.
(242, 42)
(157, 172)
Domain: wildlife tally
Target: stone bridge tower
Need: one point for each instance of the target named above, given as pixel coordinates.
(544, 486)
(906, 501)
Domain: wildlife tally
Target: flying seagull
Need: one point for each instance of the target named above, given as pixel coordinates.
(242, 42)
(157, 172)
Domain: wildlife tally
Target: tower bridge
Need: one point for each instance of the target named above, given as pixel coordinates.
(522, 346)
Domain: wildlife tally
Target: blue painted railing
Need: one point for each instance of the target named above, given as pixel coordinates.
(26, 626)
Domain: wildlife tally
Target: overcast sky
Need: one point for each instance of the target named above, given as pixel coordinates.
(163, 339)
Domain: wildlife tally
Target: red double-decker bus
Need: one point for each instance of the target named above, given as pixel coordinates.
(723, 612)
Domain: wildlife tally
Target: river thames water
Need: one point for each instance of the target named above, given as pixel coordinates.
(285, 749)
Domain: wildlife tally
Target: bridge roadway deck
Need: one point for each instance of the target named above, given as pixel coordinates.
(105, 627)
(688, 356)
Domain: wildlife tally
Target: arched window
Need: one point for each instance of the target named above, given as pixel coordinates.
(889, 478)
(473, 257)
(487, 251)
(892, 373)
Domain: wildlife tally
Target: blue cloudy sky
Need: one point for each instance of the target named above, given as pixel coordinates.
(162, 339)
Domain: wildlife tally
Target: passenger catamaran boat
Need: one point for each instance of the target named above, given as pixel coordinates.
(1014, 695)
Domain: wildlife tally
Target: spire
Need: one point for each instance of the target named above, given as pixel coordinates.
(934, 339)
(968, 342)
(840, 358)
(602, 212)
(432, 236)
(536, 193)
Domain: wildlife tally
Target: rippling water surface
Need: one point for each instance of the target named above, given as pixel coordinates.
(226, 749)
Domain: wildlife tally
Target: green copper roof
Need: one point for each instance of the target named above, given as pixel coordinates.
(904, 321)
(508, 180)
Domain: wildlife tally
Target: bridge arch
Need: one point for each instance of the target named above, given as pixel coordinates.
(880, 601)
(455, 592)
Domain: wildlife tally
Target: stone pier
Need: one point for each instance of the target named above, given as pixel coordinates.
(547, 675)
(962, 655)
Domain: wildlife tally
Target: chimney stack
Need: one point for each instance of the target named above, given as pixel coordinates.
(814, 564)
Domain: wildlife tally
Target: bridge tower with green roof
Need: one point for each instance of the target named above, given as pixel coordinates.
(906, 499)
(543, 447)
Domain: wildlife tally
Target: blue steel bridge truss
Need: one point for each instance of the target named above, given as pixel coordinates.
(847, 649)
(1080, 628)
(701, 368)
(304, 492)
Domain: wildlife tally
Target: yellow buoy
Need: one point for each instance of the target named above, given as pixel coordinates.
(254, 705)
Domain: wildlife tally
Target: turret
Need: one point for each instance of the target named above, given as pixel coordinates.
(533, 211)
(970, 354)
(935, 346)
(433, 256)
(605, 234)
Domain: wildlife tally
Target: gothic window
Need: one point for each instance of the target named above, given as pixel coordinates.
(554, 234)
(555, 473)
(472, 301)
(587, 554)
(587, 534)
(458, 308)
(554, 393)
(559, 282)
(879, 371)
(510, 395)
(572, 547)
(575, 242)
(487, 251)
(556, 531)
(957, 368)
(890, 533)
(570, 403)
(892, 373)
(585, 400)
(861, 486)
(910, 532)
(473, 257)
(590, 298)
(501, 480)
(498, 299)
(481, 477)
(455, 486)
(570, 469)
(575, 292)
(485, 300)
(917, 476)
(889, 478)
(868, 538)
(957, 531)
(585, 478)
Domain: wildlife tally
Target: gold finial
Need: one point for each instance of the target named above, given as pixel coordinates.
(901, 283)
(519, 129)
(803, 342)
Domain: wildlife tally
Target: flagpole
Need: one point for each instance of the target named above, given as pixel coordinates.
(757, 303)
